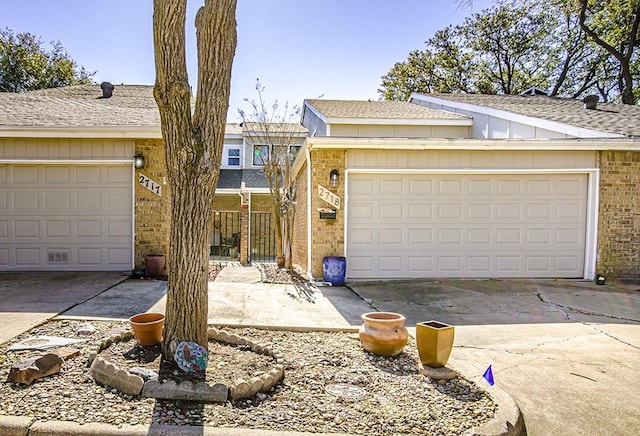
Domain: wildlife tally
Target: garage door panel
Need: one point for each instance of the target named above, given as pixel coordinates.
(419, 211)
(419, 264)
(420, 187)
(391, 211)
(58, 229)
(67, 217)
(468, 226)
(88, 174)
(388, 237)
(391, 187)
(419, 236)
(57, 174)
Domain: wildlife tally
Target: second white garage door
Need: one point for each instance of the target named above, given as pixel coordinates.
(480, 225)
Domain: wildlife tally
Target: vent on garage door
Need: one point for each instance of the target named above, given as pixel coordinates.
(58, 257)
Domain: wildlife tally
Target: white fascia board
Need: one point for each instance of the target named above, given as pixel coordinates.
(567, 129)
(236, 191)
(319, 114)
(592, 144)
(81, 132)
(402, 121)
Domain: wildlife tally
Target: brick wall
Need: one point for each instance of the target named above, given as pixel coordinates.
(226, 202)
(152, 216)
(327, 235)
(299, 246)
(619, 223)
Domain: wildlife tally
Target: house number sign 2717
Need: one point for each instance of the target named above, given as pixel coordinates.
(149, 184)
(329, 196)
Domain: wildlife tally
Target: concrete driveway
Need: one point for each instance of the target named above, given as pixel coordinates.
(567, 351)
(29, 299)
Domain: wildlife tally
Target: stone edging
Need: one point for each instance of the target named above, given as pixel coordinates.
(109, 374)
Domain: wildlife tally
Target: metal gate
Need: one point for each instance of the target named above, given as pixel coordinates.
(224, 241)
(263, 238)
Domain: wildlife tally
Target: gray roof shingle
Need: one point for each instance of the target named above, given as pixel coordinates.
(607, 117)
(232, 179)
(359, 109)
(80, 106)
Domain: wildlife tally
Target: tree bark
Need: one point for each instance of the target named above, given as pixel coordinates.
(193, 147)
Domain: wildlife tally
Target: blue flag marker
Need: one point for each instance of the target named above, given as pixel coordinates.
(488, 376)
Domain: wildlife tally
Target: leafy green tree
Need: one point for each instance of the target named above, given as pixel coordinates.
(512, 46)
(614, 26)
(25, 65)
(509, 44)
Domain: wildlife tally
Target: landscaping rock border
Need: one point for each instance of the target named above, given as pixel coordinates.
(109, 374)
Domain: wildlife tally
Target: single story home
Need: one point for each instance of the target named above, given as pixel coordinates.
(455, 185)
(442, 185)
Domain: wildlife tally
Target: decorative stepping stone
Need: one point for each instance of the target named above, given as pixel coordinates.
(191, 357)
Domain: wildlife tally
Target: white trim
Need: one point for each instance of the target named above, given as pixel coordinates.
(134, 182)
(591, 224)
(315, 111)
(511, 116)
(593, 144)
(309, 209)
(403, 121)
(81, 132)
(591, 237)
(233, 191)
(23, 161)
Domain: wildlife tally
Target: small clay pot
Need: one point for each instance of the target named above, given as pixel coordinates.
(147, 328)
(383, 333)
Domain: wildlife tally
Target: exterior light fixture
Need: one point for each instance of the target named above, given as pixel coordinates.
(138, 161)
(334, 178)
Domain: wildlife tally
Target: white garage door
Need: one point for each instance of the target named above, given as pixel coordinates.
(65, 217)
(485, 225)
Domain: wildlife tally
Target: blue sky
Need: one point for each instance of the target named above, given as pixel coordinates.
(298, 48)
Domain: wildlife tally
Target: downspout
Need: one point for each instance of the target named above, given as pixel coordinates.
(309, 197)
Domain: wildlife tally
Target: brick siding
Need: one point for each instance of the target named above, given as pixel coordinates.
(152, 216)
(619, 211)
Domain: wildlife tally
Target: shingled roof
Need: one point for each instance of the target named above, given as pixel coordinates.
(362, 109)
(80, 106)
(618, 119)
(252, 178)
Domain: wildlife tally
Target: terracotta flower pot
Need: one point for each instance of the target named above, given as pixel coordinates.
(383, 333)
(154, 264)
(147, 328)
(435, 341)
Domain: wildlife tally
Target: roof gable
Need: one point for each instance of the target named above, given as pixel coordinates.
(608, 119)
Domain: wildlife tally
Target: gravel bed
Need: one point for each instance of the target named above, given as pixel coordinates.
(272, 274)
(397, 399)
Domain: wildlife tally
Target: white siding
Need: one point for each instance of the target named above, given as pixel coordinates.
(449, 159)
(45, 148)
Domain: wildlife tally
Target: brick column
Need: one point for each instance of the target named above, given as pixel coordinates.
(244, 234)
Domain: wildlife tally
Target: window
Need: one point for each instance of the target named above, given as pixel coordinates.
(233, 157)
(260, 154)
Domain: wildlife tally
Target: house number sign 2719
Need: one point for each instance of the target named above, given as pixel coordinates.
(149, 184)
(329, 196)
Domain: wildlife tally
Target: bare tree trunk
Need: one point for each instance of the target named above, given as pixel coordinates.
(193, 148)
